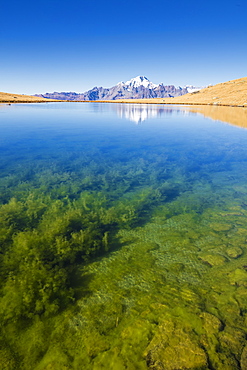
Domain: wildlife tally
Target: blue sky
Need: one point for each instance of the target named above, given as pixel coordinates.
(53, 45)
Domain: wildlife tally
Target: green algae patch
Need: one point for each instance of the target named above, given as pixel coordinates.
(55, 359)
(8, 362)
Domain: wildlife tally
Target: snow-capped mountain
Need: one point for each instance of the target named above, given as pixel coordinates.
(137, 88)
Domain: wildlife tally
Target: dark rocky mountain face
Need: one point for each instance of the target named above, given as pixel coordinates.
(137, 88)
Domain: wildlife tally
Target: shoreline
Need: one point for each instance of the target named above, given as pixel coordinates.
(131, 101)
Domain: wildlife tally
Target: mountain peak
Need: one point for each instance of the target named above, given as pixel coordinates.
(140, 81)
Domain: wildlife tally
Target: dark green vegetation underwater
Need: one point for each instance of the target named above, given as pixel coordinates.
(122, 246)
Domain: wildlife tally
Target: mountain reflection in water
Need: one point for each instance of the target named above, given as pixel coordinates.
(141, 112)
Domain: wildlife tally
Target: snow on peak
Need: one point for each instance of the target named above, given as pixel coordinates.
(193, 89)
(144, 81)
(140, 81)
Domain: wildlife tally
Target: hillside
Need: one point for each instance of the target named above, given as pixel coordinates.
(231, 93)
(16, 98)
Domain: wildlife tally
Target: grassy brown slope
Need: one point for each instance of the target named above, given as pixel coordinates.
(231, 93)
(16, 98)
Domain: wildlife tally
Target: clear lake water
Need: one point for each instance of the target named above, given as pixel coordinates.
(123, 232)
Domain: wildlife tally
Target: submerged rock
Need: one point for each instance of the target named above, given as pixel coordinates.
(238, 277)
(234, 252)
(210, 322)
(213, 259)
(232, 340)
(176, 267)
(125, 353)
(173, 348)
(7, 361)
(95, 344)
(56, 360)
(220, 226)
(191, 341)
(109, 360)
(243, 362)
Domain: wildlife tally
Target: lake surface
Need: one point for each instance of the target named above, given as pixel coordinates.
(123, 232)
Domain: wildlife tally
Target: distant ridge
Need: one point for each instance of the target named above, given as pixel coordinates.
(137, 88)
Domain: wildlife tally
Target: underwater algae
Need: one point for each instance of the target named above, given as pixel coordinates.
(124, 257)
